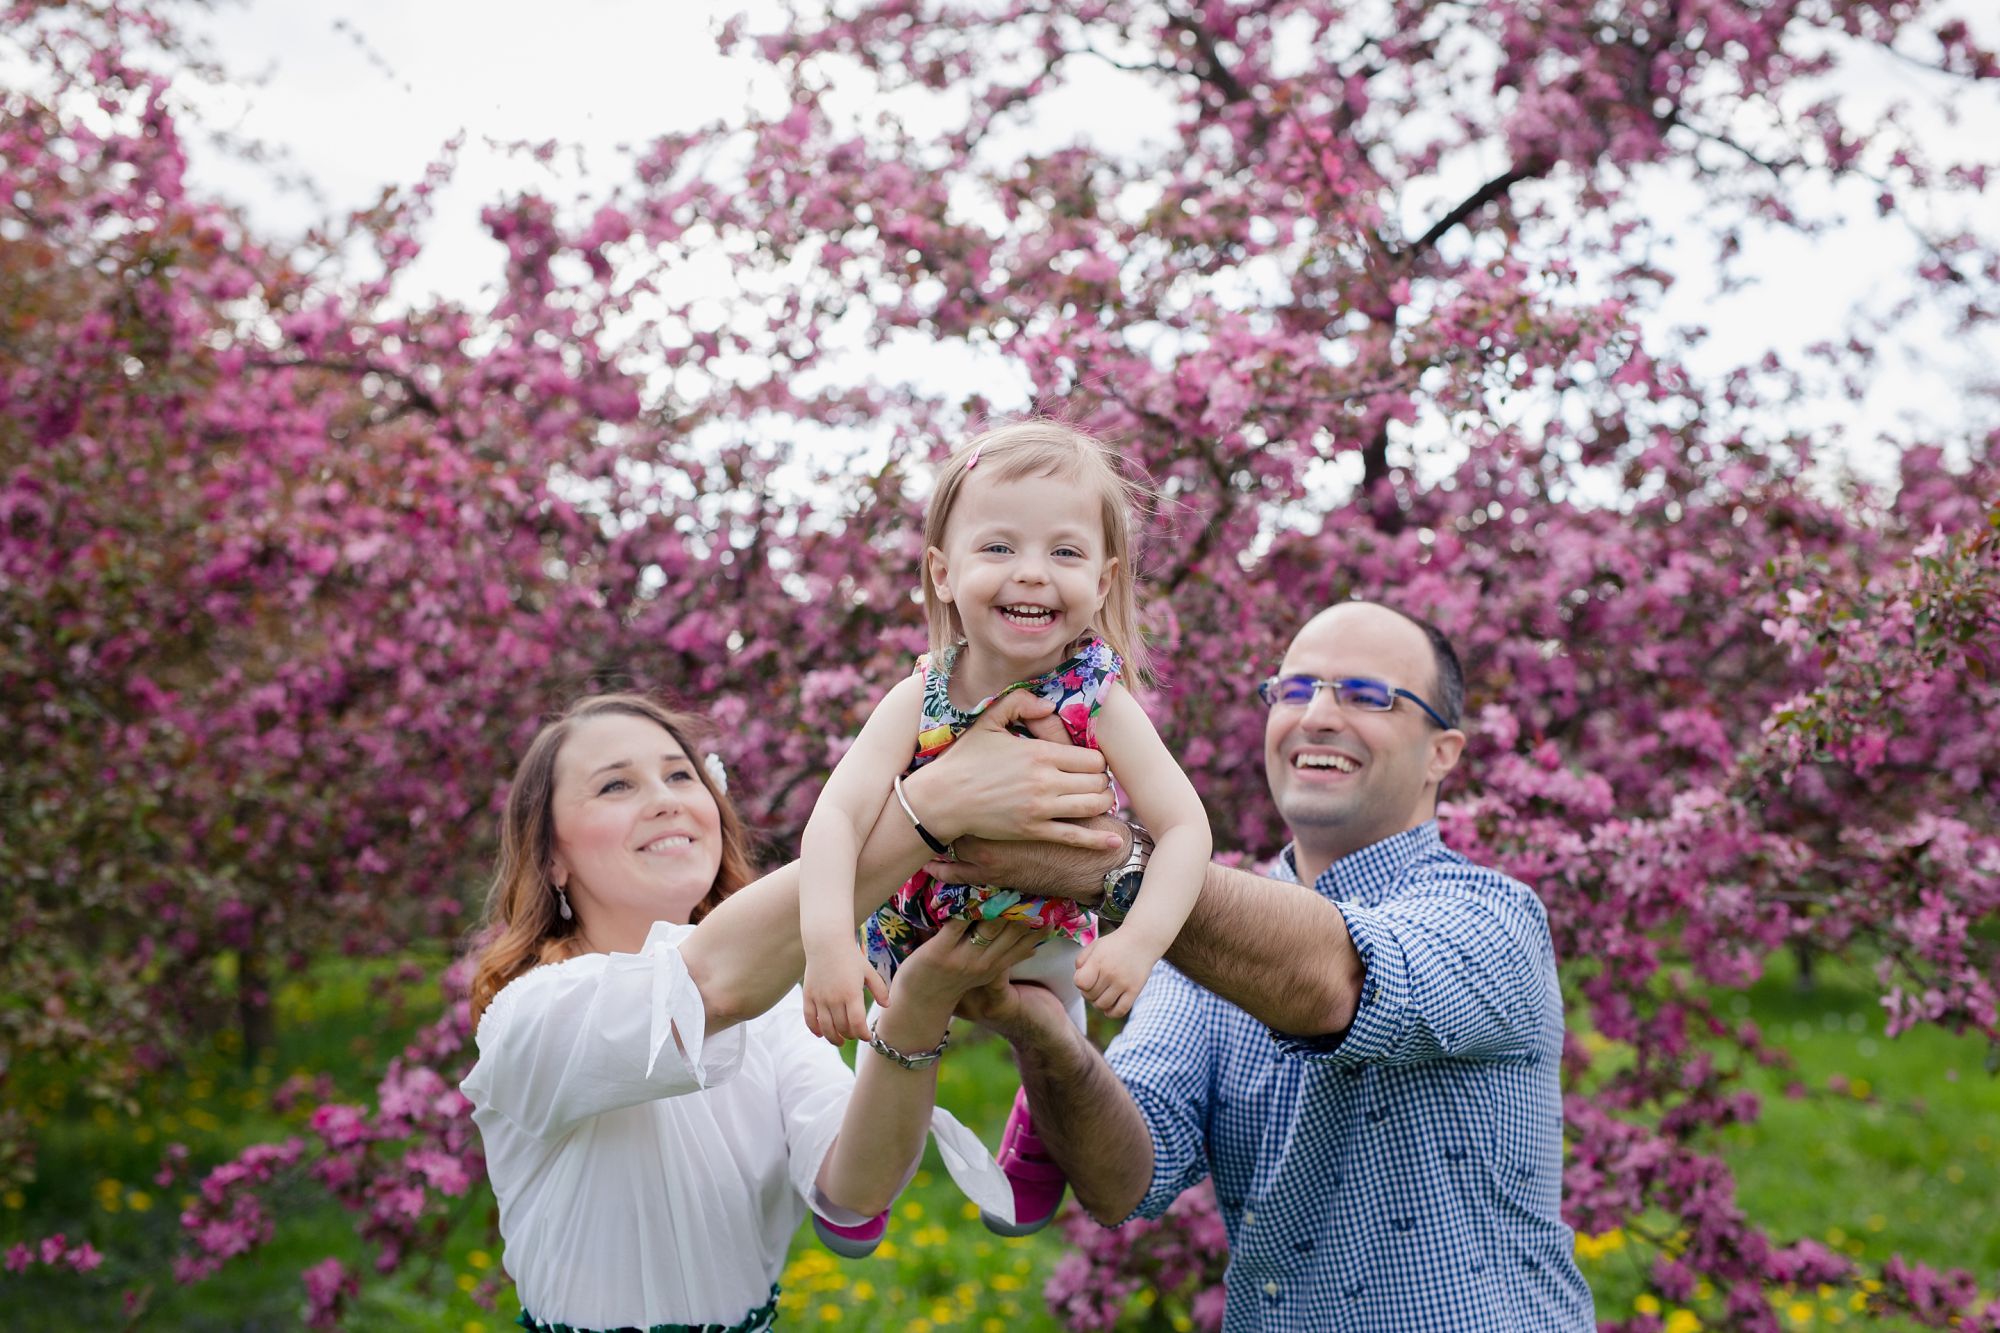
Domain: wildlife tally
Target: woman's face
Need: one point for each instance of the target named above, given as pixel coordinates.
(638, 837)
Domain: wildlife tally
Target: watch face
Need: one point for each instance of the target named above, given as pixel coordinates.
(1118, 899)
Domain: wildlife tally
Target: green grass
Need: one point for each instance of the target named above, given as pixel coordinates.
(1871, 1146)
(1890, 1149)
(95, 1179)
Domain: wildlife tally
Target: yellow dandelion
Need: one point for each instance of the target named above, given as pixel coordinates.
(1799, 1312)
(912, 1211)
(829, 1313)
(864, 1290)
(1005, 1282)
(14, 1199)
(138, 1201)
(1646, 1303)
(480, 1259)
(473, 1326)
(466, 1282)
(1682, 1321)
(1596, 1247)
(969, 1211)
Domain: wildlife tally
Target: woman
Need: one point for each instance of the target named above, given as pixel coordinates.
(651, 1159)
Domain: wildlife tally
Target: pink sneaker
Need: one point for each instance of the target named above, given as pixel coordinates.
(1038, 1182)
(852, 1242)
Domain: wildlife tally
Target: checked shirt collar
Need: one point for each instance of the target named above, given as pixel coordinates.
(1364, 877)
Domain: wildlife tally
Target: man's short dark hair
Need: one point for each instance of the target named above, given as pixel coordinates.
(1448, 675)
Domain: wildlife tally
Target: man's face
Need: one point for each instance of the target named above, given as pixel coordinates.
(1344, 778)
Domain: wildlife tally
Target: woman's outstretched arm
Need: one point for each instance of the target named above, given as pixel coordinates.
(889, 1115)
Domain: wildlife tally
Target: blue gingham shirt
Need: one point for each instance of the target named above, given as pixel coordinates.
(1407, 1174)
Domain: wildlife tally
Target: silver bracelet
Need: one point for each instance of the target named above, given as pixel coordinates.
(931, 839)
(920, 1060)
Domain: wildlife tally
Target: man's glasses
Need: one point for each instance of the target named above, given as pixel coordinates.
(1358, 692)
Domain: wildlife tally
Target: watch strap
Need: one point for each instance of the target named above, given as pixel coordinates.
(1121, 886)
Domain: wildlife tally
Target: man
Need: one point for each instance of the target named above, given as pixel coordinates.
(1367, 1068)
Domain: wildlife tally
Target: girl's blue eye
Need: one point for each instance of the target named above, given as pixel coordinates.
(1069, 552)
(611, 785)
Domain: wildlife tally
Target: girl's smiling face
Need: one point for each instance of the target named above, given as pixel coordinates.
(638, 837)
(1025, 567)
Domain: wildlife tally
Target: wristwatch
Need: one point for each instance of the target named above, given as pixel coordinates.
(921, 1060)
(1121, 886)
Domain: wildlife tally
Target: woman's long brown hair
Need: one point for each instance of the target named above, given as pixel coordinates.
(522, 929)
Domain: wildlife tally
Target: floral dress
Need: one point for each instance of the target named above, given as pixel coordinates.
(1077, 687)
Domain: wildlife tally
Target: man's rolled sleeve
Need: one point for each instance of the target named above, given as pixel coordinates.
(1381, 1010)
(1164, 1059)
(1448, 973)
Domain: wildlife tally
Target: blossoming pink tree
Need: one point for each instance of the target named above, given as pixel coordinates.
(289, 567)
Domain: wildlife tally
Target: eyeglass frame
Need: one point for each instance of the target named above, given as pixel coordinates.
(1267, 687)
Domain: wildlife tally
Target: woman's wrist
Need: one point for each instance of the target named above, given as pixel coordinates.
(930, 805)
(910, 1035)
(903, 1052)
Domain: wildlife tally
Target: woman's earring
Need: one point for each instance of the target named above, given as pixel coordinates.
(562, 904)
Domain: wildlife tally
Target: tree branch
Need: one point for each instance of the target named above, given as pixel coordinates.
(1492, 190)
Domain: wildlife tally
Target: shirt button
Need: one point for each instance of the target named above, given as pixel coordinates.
(1249, 1218)
(1270, 1288)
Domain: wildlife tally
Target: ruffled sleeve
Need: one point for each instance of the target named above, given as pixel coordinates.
(573, 1040)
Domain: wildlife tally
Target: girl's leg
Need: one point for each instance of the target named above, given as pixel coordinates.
(1054, 966)
(1038, 1182)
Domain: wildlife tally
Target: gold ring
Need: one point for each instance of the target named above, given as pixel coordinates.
(978, 940)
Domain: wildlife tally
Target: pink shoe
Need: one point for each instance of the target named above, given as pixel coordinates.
(1038, 1182)
(852, 1242)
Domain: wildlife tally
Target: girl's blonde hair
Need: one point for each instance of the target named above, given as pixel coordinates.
(1045, 448)
(523, 929)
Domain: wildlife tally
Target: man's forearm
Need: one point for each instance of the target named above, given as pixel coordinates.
(1087, 1121)
(1278, 951)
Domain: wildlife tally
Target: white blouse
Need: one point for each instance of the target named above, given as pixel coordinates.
(646, 1176)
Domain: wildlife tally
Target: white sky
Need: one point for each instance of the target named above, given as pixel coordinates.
(360, 94)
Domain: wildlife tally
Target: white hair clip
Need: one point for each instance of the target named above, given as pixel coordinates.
(717, 774)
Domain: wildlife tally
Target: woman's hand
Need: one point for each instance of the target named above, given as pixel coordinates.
(963, 956)
(996, 785)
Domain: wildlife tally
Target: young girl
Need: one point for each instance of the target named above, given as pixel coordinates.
(1027, 585)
